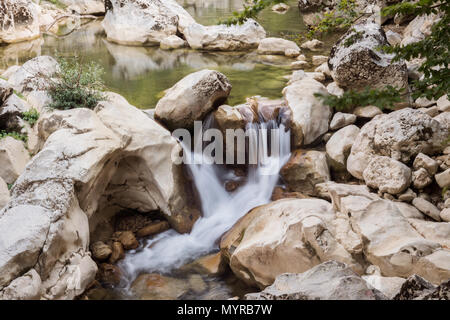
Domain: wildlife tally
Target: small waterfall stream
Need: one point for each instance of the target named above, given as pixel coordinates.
(221, 209)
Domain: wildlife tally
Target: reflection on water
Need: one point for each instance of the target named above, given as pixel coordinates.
(142, 74)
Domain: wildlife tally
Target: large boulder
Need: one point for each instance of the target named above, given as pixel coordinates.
(356, 61)
(93, 164)
(29, 76)
(339, 146)
(225, 38)
(144, 22)
(330, 280)
(400, 135)
(310, 117)
(192, 98)
(13, 159)
(304, 170)
(19, 20)
(288, 235)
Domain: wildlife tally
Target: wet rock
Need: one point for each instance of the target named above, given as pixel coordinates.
(330, 280)
(20, 21)
(278, 46)
(426, 162)
(368, 112)
(415, 287)
(153, 229)
(304, 170)
(144, 22)
(427, 208)
(100, 250)
(128, 240)
(421, 178)
(118, 252)
(13, 158)
(310, 117)
(443, 179)
(289, 235)
(158, 287)
(224, 38)
(172, 42)
(228, 117)
(280, 193)
(212, 265)
(355, 62)
(339, 146)
(341, 120)
(192, 98)
(396, 135)
(109, 274)
(387, 175)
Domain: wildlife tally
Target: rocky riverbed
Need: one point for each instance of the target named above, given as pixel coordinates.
(359, 210)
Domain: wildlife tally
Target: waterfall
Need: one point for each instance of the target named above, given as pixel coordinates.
(221, 209)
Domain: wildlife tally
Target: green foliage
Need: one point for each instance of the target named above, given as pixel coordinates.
(357, 35)
(434, 49)
(341, 18)
(57, 3)
(10, 185)
(20, 95)
(15, 135)
(31, 116)
(75, 84)
(383, 99)
(250, 11)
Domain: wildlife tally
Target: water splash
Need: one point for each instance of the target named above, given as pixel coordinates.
(221, 209)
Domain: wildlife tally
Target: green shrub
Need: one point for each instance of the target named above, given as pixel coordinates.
(15, 135)
(74, 85)
(31, 116)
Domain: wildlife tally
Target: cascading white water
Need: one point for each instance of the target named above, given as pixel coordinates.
(221, 209)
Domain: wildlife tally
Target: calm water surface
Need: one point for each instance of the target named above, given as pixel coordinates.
(142, 74)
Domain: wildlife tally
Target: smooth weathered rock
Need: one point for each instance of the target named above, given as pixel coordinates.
(310, 116)
(278, 237)
(330, 280)
(4, 193)
(443, 104)
(100, 250)
(25, 287)
(387, 175)
(19, 21)
(153, 228)
(393, 37)
(128, 240)
(339, 146)
(192, 98)
(25, 79)
(445, 214)
(304, 170)
(224, 38)
(341, 120)
(278, 46)
(280, 8)
(421, 178)
(144, 22)
(323, 68)
(228, 117)
(334, 89)
(313, 44)
(389, 286)
(85, 167)
(172, 42)
(118, 252)
(434, 231)
(443, 179)
(318, 60)
(355, 62)
(299, 65)
(427, 208)
(407, 196)
(367, 112)
(13, 158)
(426, 162)
(418, 28)
(400, 135)
(158, 287)
(109, 274)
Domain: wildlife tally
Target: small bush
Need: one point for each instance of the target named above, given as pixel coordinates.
(74, 85)
(15, 135)
(31, 116)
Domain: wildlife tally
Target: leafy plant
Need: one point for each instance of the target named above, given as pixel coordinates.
(31, 116)
(74, 85)
(383, 99)
(250, 11)
(15, 135)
